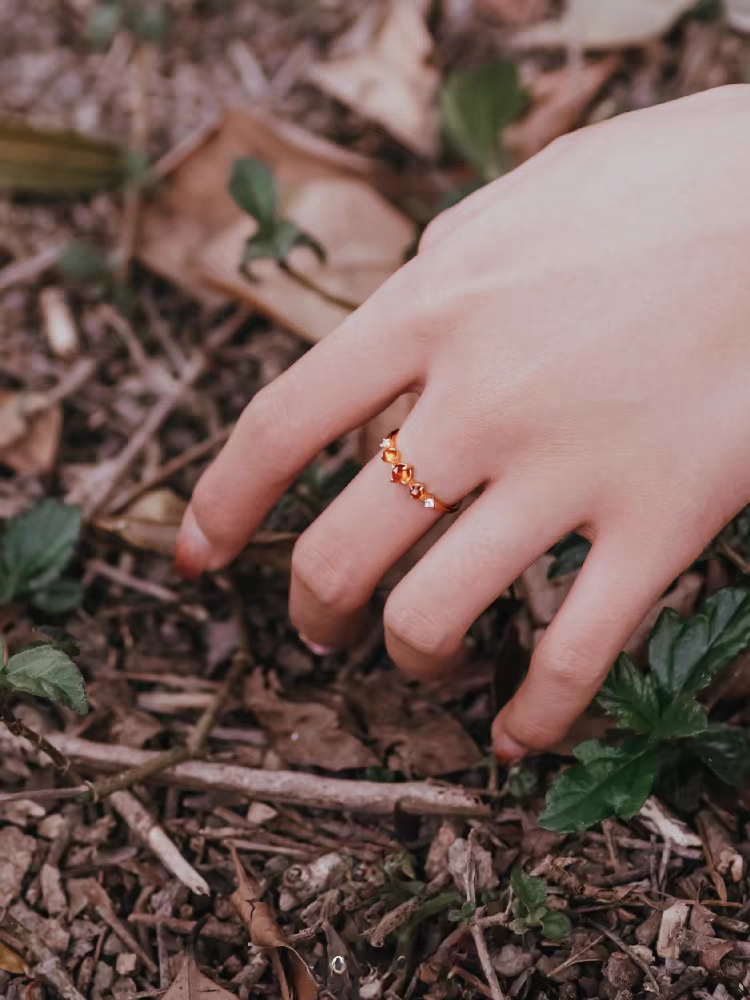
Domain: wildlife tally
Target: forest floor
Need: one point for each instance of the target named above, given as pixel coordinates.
(229, 797)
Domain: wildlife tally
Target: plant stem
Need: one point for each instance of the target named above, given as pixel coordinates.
(19, 728)
(302, 279)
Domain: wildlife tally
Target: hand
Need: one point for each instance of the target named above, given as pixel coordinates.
(579, 332)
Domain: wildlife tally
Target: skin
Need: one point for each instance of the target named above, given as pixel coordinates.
(579, 332)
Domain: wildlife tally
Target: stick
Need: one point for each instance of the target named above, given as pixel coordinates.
(486, 962)
(296, 787)
(631, 953)
(153, 836)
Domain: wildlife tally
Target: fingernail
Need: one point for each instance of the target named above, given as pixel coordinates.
(316, 647)
(194, 552)
(507, 750)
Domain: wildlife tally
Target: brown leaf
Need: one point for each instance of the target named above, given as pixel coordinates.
(10, 961)
(711, 954)
(365, 239)
(295, 979)
(192, 206)
(389, 79)
(49, 161)
(421, 738)
(28, 444)
(191, 984)
(305, 733)
(559, 99)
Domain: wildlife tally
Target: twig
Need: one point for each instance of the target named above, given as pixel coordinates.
(689, 980)
(397, 917)
(166, 471)
(139, 130)
(17, 727)
(485, 961)
(153, 836)
(101, 902)
(471, 979)
(419, 798)
(734, 557)
(97, 567)
(632, 955)
(211, 928)
(575, 957)
(30, 268)
(200, 733)
(44, 794)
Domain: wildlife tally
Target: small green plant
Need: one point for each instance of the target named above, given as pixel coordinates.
(46, 670)
(146, 19)
(475, 106)
(530, 908)
(662, 722)
(253, 187)
(35, 550)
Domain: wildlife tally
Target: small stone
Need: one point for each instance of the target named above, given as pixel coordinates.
(402, 473)
(417, 490)
(429, 502)
(621, 972)
(391, 456)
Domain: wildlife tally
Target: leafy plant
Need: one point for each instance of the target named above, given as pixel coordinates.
(35, 549)
(46, 671)
(570, 553)
(530, 907)
(475, 106)
(659, 711)
(253, 188)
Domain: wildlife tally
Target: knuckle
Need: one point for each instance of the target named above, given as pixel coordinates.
(413, 630)
(322, 569)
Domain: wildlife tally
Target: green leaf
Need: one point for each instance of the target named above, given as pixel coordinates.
(58, 596)
(724, 749)
(686, 653)
(629, 695)
(80, 261)
(149, 20)
(570, 554)
(46, 672)
(105, 20)
(530, 892)
(276, 242)
(252, 186)
(607, 781)
(681, 719)
(37, 546)
(556, 925)
(475, 106)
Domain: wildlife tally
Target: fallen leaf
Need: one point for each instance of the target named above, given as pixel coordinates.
(153, 521)
(192, 205)
(559, 99)
(305, 733)
(28, 445)
(11, 962)
(712, 953)
(389, 79)
(364, 238)
(49, 161)
(419, 737)
(16, 854)
(191, 984)
(296, 981)
(606, 24)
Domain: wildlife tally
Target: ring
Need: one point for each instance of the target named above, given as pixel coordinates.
(404, 474)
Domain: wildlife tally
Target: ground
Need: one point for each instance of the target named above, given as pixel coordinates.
(321, 804)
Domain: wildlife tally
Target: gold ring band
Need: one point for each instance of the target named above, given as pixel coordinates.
(404, 474)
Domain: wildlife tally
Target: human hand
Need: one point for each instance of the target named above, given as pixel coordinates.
(579, 332)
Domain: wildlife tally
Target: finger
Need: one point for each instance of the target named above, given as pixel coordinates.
(340, 559)
(493, 542)
(341, 383)
(614, 591)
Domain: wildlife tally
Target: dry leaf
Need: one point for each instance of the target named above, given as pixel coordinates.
(606, 24)
(365, 239)
(152, 523)
(305, 733)
(191, 984)
(559, 99)
(420, 738)
(192, 206)
(11, 962)
(16, 853)
(295, 979)
(48, 161)
(389, 80)
(28, 445)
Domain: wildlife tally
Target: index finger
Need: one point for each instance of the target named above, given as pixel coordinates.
(338, 385)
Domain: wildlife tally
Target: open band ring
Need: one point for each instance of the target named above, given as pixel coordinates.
(404, 474)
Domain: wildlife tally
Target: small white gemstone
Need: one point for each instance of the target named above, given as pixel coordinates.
(429, 502)
(385, 443)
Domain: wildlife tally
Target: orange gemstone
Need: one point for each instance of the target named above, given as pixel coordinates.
(391, 456)
(417, 490)
(402, 473)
